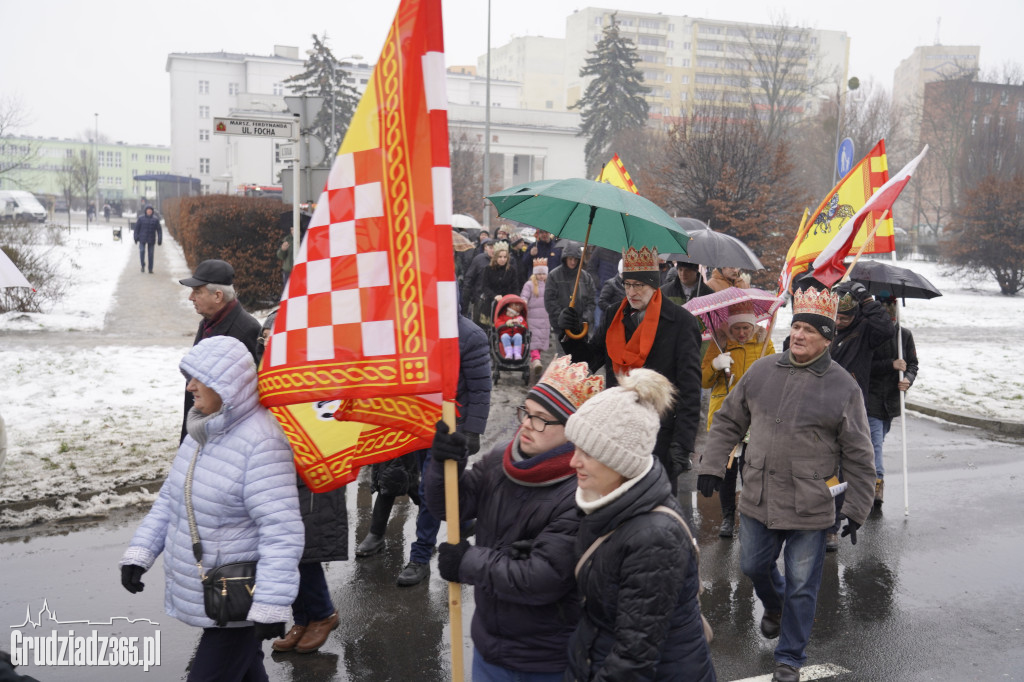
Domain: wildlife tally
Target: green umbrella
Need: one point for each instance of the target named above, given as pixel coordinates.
(575, 208)
(590, 212)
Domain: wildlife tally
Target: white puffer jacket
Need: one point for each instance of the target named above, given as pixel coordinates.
(243, 493)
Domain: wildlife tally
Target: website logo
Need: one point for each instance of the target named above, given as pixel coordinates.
(62, 646)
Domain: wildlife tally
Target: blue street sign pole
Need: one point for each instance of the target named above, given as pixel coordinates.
(844, 157)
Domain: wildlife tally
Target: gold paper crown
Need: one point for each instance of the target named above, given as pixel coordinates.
(813, 302)
(644, 260)
(540, 262)
(573, 382)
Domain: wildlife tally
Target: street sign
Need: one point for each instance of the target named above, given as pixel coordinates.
(286, 152)
(844, 157)
(254, 128)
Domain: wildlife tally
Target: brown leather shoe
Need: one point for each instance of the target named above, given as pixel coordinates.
(879, 491)
(316, 634)
(289, 641)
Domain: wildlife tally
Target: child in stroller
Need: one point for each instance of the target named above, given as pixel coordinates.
(510, 336)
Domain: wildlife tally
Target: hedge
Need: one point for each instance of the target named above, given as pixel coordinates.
(244, 231)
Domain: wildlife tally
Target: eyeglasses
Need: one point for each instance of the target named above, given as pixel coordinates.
(537, 423)
(634, 285)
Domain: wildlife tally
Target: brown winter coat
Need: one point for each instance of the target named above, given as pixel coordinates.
(804, 423)
(718, 281)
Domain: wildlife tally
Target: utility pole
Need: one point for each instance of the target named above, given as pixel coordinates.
(487, 126)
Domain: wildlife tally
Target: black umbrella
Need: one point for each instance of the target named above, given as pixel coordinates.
(714, 249)
(887, 281)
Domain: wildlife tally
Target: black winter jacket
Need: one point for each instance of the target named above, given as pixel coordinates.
(854, 346)
(883, 392)
(325, 518)
(638, 591)
(473, 393)
(673, 291)
(558, 291)
(525, 608)
(147, 229)
(675, 355)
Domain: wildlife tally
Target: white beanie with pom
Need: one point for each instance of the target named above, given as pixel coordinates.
(619, 426)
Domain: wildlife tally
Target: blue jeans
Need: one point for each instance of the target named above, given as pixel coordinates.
(879, 429)
(313, 601)
(796, 594)
(228, 654)
(426, 524)
(488, 672)
(143, 247)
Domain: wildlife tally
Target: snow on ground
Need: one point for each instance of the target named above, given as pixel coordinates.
(88, 414)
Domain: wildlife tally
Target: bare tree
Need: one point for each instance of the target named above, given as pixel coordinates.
(777, 61)
(727, 172)
(86, 174)
(16, 156)
(466, 162)
(67, 182)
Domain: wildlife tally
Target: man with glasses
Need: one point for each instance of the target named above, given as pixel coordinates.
(649, 331)
(522, 495)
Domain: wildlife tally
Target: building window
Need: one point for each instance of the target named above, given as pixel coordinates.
(682, 96)
(278, 89)
(135, 157)
(1020, 111)
(204, 135)
(204, 111)
(204, 165)
(549, 104)
(233, 88)
(204, 87)
(1004, 98)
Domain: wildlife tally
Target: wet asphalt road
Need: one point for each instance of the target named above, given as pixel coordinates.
(936, 595)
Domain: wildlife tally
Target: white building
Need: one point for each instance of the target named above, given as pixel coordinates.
(525, 143)
(536, 62)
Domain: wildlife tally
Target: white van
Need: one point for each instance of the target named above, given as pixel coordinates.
(25, 205)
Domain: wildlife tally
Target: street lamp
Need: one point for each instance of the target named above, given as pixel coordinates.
(851, 85)
(96, 161)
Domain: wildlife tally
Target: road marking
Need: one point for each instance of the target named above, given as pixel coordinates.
(811, 672)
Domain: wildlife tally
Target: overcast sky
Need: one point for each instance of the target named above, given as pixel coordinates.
(66, 60)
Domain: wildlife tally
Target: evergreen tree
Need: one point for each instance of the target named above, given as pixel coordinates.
(325, 77)
(614, 100)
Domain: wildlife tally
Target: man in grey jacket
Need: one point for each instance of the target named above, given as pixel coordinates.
(806, 418)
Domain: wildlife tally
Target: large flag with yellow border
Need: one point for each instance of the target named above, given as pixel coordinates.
(845, 199)
(614, 173)
(369, 315)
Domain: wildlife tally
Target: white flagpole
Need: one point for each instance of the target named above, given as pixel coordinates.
(903, 402)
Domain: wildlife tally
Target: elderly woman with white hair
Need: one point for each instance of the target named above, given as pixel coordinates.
(637, 572)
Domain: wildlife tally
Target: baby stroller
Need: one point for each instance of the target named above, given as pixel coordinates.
(501, 359)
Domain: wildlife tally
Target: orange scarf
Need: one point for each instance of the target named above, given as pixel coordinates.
(627, 355)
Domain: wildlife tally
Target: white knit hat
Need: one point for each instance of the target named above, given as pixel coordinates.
(619, 427)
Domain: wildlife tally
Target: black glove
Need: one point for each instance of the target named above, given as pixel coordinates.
(851, 529)
(264, 631)
(569, 320)
(860, 292)
(708, 484)
(679, 457)
(160, 243)
(449, 558)
(448, 445)
(472, 442)
(131, 578)
(521, 549)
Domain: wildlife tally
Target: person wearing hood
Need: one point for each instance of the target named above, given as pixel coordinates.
(736, 348)
(521, 495)
(234, 471)
(637, 564)
(646, 331)
(147, 232)
(561, 282)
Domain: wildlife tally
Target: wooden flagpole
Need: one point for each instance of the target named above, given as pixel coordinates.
(451, 506)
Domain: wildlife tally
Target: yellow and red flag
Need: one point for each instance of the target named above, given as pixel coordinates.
(615, 173)
(369, 316)
(845, 199)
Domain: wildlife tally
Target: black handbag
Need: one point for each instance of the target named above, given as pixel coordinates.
(227, 589)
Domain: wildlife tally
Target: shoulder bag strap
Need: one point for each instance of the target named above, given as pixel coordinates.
(193, 528)
(590, 550)
(709, 633)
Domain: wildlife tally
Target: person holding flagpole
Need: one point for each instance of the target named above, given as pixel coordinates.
(522, 495)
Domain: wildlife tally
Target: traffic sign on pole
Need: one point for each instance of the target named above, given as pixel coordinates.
(844, 157)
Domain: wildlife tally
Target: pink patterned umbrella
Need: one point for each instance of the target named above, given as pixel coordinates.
(713, 309)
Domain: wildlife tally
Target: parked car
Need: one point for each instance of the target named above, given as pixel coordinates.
(26, 206)
(60, 206)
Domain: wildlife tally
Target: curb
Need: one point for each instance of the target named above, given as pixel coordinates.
(1002, 427)
(83, 496)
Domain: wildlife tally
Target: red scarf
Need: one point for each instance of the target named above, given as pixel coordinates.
(546, 468)
(627, 355)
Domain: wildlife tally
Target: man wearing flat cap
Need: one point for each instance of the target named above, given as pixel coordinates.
(213, 296)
